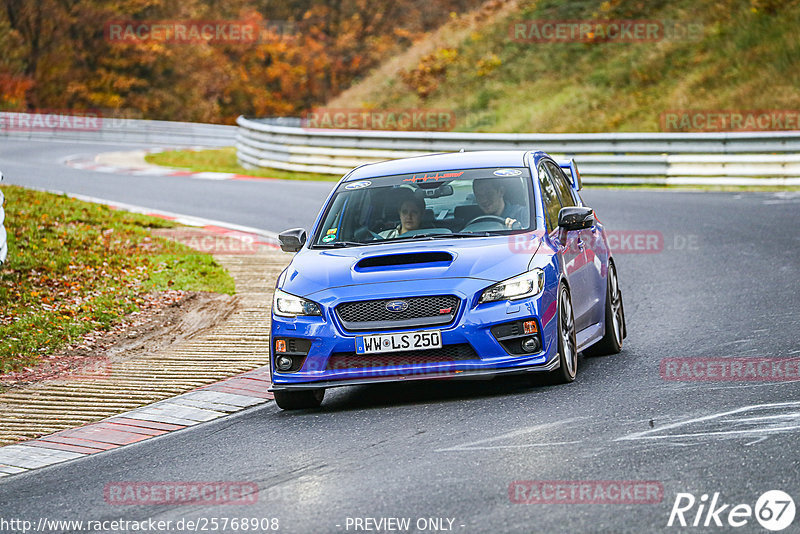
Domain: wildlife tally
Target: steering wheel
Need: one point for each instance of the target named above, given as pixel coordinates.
(493, 218)
(364, 231)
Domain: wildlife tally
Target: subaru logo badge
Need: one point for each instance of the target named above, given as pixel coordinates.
(396, 305)
(507, 172)
(358, 185)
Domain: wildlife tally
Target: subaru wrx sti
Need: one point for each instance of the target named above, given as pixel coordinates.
(445, 266)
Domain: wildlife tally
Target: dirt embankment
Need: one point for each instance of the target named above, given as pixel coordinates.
(167, 318)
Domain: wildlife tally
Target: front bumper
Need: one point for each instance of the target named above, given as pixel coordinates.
(454, 375)
(472, 326)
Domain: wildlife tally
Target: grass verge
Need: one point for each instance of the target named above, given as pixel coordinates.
(74, 267)
(224, 160)
(699, 187)
(734, 55)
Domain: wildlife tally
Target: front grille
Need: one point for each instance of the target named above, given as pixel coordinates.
(448, 353)
(421, 311)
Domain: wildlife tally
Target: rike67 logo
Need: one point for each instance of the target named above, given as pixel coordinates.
(774, 510)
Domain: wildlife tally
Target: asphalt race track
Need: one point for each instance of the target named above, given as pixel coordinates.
(722, 283)
(248, 203)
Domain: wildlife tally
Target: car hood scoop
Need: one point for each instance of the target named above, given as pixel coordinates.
(409, 259)
(491, 259)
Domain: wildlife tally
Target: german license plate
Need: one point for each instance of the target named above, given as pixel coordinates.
(429, 339)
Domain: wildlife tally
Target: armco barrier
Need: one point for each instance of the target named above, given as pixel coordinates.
(112, 130)
(734, 158)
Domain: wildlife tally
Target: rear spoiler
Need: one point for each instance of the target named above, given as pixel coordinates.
(570, 168)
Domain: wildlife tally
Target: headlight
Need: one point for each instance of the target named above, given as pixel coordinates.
(287, 305)
(524, 285)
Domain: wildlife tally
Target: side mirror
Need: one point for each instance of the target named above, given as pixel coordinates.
(575, 218)
(292, 240)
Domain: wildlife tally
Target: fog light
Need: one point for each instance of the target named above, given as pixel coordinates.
(530, 344)
(283, 363)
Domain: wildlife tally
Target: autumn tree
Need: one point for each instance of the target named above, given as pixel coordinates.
(56, 54)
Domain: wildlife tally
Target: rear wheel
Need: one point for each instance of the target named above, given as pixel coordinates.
(611, 342)
(567, 353)
(299, 400)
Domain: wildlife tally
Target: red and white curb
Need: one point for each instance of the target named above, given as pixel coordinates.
(203, 404)
(89, 163)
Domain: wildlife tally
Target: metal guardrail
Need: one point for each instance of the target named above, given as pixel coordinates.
(730, 158)
(3, 241)
(127, 131)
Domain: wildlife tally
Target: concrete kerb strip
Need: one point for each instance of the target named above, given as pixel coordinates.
(204, 404)
(200, 404)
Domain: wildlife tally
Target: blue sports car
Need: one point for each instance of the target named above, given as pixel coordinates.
(459, 265)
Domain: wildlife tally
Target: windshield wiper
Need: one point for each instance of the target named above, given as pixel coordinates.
(340, 244)
(485, 233)
(437, 235)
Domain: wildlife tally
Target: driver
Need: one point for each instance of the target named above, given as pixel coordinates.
(489, 195)
(411, 210)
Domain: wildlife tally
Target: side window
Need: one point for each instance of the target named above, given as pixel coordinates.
(564, 190)
(551, 203)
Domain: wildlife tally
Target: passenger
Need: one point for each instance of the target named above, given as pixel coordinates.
(411, 211)
(489, 195)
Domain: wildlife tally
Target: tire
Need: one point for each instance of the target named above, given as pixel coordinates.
(299, 400)
(615, 329)
(567, 346)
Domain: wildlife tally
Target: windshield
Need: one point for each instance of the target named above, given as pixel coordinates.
(459, 203)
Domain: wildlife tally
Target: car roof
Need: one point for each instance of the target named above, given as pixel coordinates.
(441, 162)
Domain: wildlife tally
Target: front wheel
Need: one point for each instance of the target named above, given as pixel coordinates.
(567, 347)
(615, 330)
(299, 400)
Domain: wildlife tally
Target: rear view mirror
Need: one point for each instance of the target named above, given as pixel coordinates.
(441, 191)
(292, 240)
(576, 218)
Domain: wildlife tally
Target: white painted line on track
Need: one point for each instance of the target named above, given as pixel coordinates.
(723, 418)
(479, 444)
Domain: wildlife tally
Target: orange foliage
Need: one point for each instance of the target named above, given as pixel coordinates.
(58, 55)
